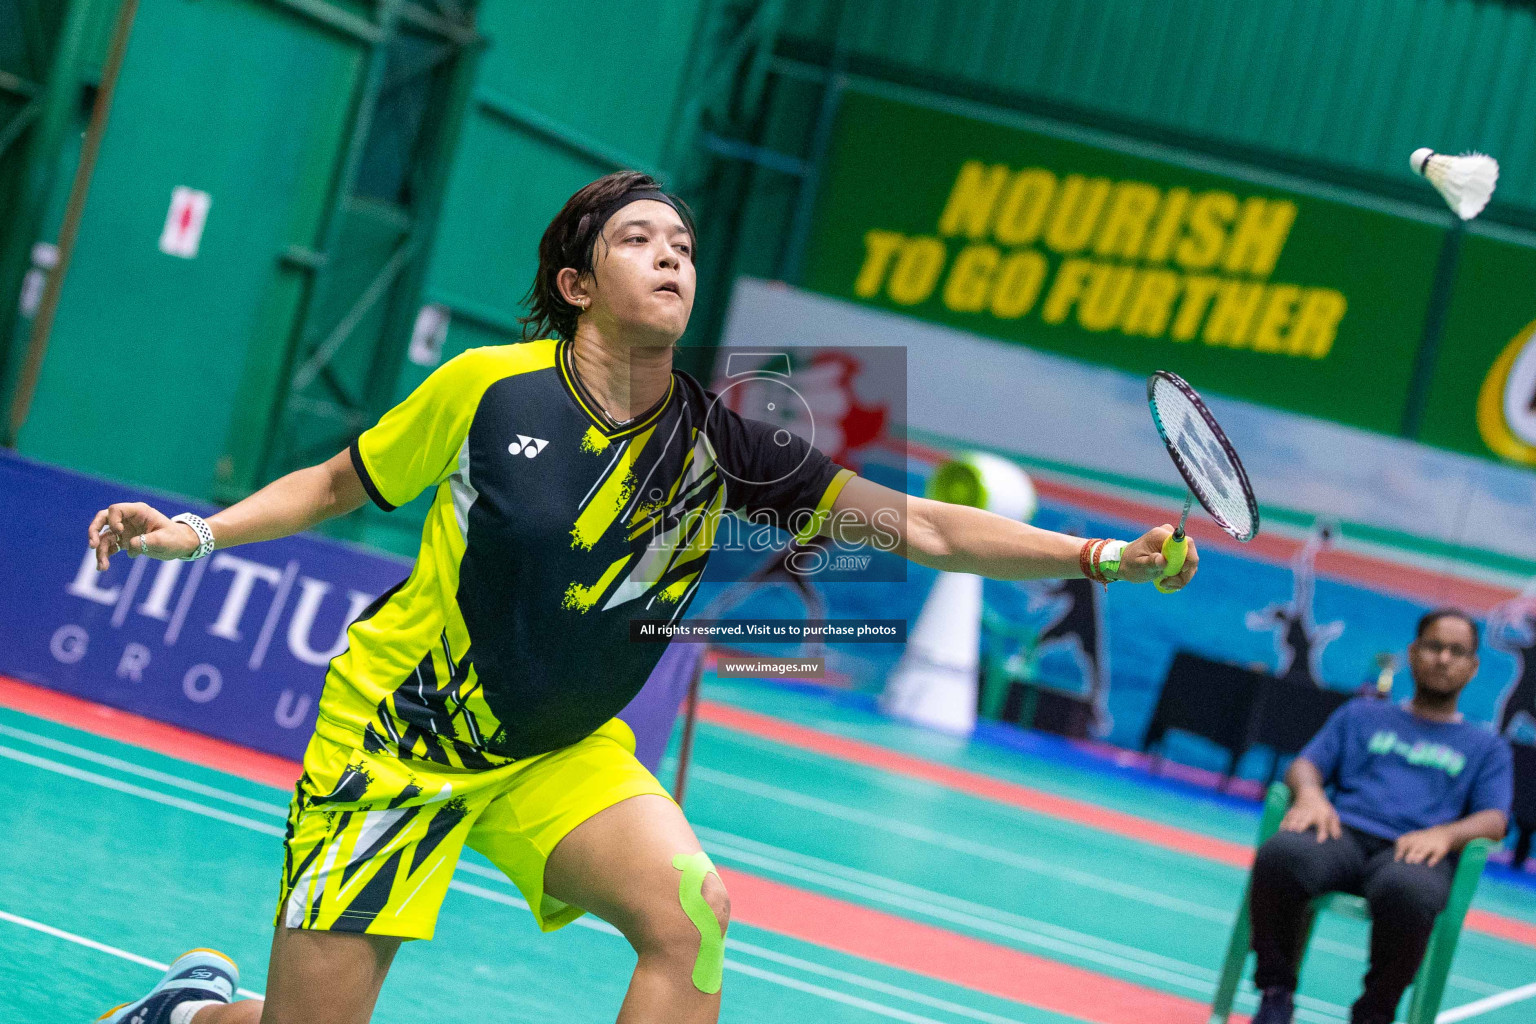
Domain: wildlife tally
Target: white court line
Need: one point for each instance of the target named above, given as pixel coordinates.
(827, 993)
(140, 791)
(1488, 1005)
(901, 784)
(1315, 1011)
(101, 947)
(730, 781)
(1309, 1008)
(750, 949)
(1359, 954)
(810, 967)
(1470, 984)
(952, 910)
(599, 925)
(142, 772)
(1008, 858)
(1077, 938)
(257, 826)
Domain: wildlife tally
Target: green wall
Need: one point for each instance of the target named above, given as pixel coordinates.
(546, 118)
(148, 349)
(328, 230)
(343, 197)
(565, 94)
(1347, 87)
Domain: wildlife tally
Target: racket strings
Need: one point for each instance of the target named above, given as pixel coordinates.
(1209, 466)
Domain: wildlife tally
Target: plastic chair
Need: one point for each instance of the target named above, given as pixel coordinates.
(1428, 985)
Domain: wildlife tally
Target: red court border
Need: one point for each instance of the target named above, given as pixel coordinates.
(824, 921)
(1014, 794)
(950, 956)
(170, 740)
(776, 907)
(986, 787)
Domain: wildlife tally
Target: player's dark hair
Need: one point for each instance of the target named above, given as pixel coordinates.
(1435, 616)
(571, 241)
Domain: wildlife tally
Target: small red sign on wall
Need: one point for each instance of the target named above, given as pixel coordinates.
(183, 232)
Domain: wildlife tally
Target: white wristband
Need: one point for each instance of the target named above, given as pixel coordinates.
(203, 531)
(1109, 559)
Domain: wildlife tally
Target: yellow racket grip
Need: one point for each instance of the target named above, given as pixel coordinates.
(1174, 550)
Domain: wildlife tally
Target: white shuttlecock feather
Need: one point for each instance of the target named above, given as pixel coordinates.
(1465, 181)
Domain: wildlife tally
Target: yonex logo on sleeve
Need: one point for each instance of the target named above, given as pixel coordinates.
(528, 446)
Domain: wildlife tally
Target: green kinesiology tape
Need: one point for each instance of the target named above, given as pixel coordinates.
(708, 968)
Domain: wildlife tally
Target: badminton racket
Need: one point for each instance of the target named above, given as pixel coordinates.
(1207, 462)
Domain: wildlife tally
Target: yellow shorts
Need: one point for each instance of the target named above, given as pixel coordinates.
(373, 839)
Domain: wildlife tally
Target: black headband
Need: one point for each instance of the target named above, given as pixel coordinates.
(613, 206)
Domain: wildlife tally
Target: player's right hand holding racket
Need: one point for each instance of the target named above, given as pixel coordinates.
(1143, 561)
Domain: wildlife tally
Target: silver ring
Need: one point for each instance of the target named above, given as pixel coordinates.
(143, 545)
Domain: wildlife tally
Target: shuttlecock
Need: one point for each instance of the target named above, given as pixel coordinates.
(1465, 181)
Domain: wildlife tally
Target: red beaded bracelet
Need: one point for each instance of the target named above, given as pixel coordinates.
(1088, 560)
(1082, 559)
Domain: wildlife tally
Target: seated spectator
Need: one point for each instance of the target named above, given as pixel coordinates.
(1412, 784)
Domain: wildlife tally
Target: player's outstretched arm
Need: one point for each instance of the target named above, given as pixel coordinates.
(957, 538)
(288, 505)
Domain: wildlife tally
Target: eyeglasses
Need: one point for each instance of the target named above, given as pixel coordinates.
(1434, 649)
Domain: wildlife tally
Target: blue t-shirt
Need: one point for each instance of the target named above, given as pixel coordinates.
(1393, 772)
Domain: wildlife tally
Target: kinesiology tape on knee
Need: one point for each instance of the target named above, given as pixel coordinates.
(708, 967)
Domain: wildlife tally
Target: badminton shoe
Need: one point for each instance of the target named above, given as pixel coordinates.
(1276, 1006)
(200, 976)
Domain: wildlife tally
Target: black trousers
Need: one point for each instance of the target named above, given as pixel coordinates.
(1293, 868)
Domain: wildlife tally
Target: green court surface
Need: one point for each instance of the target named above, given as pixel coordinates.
(862, 893)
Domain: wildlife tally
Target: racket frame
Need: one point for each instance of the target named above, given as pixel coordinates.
(1178, 458)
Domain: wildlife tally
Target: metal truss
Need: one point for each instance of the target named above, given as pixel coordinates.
(39, 102)
(421, 59)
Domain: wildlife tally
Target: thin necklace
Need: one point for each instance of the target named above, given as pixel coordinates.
(576, 376)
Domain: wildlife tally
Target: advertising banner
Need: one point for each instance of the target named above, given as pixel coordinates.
(1446, 508)
(234, 645)
(1362, 533)
(1254, 291)
(1482, 398)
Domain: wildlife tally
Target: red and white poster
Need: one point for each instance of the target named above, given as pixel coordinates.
(183, 232)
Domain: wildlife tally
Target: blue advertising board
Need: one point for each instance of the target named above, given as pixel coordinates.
(234, 645)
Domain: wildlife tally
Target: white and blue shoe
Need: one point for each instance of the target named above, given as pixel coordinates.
(200, 975)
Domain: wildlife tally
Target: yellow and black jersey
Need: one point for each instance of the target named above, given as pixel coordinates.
(551, 529)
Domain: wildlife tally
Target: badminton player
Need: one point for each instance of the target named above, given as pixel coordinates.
(577, 483)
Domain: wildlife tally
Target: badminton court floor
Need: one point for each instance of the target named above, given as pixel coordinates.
(877, 873)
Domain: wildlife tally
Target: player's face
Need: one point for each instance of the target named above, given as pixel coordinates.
(644, 276)
(1444, 659)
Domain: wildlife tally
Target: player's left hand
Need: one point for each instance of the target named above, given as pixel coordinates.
(1143, 561)
(1427, 846)
(135, 529)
